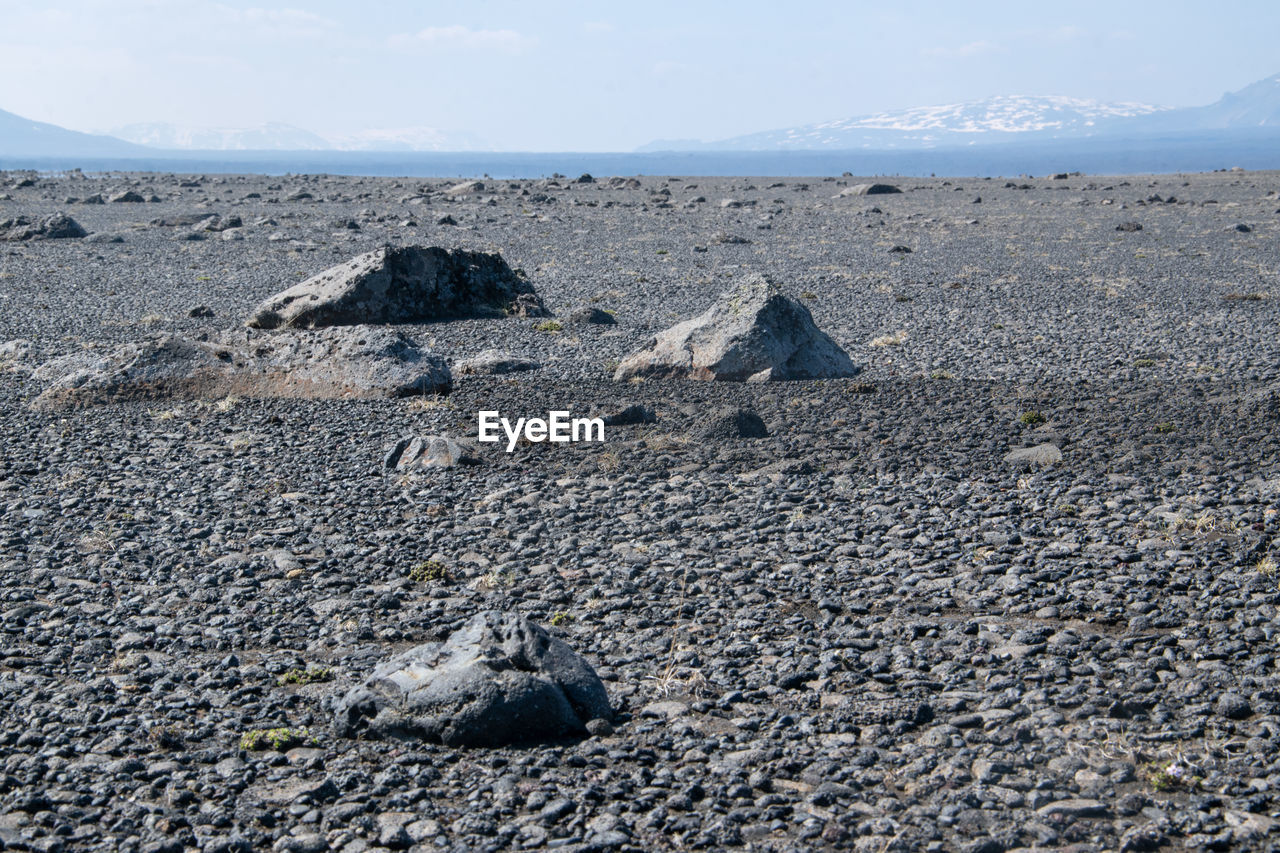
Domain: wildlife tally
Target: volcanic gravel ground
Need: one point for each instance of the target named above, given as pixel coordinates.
(868, 630)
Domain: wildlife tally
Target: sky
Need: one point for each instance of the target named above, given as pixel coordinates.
(603, 76)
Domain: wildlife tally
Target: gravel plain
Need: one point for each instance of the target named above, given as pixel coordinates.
(868, 630)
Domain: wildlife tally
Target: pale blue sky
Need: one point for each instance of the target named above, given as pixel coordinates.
(603, 76)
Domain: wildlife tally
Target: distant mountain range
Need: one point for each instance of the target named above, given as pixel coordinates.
(1005, 119)
(276, 136)
(1006, 135)
(22, 137)
(272, 136)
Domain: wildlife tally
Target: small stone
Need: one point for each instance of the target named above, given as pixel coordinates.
(588, 315)
(465, 188)
(1233, 706)
(308, 843)
(492, 362)
(668, 709)
(633, 414)
(599, 727)
(987, 771)
(131, 640)
(1073, 808)
(557, 809)
(737, 423)
(432, 451)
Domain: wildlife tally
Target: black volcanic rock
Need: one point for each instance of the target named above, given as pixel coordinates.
(409, 284)
(591, 316)
(870, 189)
(57, 226)
(500, 679)
(736, 423)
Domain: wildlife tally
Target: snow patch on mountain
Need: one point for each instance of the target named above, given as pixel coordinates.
(1004, 114)
(987, 120)
(997, 119)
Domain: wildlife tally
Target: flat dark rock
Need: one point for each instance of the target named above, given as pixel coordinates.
(57, 226)
(409, 284)
(328, 364)
(870, 189)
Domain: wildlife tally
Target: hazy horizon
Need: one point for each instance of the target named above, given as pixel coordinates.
(579, 77)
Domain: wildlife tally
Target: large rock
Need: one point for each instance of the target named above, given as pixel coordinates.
(360, 362)
(636, 413)
(870, 189)
(15, 355)
(590, 315)
(753, 333)
(465, 188)
(500, 679)
(492, 362)
(431, 451)
(410, 284)
(58, 226)
(1042, 454)
(735, 423)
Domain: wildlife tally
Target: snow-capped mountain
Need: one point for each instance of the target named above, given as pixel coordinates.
(1005, 119)
(999, 119)
(1006, 114)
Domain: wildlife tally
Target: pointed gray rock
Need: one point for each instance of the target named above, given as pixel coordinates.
(754, 333)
